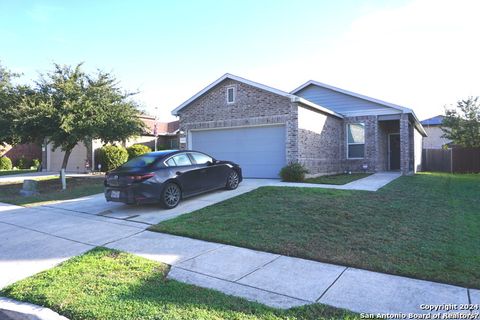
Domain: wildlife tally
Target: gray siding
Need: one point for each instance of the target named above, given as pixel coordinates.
(342, 103)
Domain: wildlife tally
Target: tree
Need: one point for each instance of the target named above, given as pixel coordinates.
(462, 123)
(11, 96)
(70, 106)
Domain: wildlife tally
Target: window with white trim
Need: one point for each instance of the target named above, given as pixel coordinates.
(355, 140)
(231, 94)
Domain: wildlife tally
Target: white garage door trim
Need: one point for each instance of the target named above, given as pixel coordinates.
(283, 150)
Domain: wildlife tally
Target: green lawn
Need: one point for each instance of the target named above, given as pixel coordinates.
(13, 172)
(50, 189)
(337, 178)
(425, 226)
(108, 284)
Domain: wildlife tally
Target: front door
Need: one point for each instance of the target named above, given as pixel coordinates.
(394, 151)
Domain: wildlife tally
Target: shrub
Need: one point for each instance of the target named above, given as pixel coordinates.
(36, 163)
(5, 163)
(111, 157)
(23, 163)
(294, 172)
(161, 146)
(137, 150)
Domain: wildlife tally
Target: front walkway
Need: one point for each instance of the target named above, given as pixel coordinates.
(371, 183)
(285, 282)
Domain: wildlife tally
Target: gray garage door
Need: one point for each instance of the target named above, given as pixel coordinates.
(260, 151)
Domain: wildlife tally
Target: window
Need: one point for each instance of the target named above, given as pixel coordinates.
(170, 162)
(140, 162)
(231, 95)
(200, 158)
(355, 140)
(182, 160)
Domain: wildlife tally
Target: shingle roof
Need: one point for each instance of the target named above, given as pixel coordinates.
(435, 121)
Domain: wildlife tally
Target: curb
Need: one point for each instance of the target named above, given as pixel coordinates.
(15, 310)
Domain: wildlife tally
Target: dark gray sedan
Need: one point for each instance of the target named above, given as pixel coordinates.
(169, 176)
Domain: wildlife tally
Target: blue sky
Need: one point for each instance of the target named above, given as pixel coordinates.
(403, 51)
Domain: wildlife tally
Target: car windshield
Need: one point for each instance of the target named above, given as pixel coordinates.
(140, 162)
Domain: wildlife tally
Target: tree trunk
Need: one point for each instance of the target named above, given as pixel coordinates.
(65, 158)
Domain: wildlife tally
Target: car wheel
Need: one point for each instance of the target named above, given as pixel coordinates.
(232, 180)
(171, 195)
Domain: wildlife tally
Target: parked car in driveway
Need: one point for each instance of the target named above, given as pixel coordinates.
(169, 176)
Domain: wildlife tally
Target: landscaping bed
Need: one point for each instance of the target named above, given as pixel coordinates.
(337, 179)
(50, 189)
(425, 226)
(109, 284)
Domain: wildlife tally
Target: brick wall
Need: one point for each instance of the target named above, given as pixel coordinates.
(406, 133)
(252, 107)
(319, 141)
(29, 151)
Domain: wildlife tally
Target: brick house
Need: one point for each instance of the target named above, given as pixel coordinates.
(83, 153)
(327, 129)
(28, 151)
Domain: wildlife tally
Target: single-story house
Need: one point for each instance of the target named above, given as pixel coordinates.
(28, 151)
(327, 129)
(435, 139)
(84, 153)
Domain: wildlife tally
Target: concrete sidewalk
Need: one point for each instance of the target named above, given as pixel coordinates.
(36, 239)
(18, 178)
(286, 282)
(371, 183)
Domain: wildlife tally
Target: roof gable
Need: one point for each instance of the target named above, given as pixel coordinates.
(434, 121)
(292, 97)
(232, 77)
(351, 94)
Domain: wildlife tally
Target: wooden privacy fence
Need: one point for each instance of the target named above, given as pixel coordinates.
(455, 160)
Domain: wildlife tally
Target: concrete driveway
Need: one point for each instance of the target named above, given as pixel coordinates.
(152, 213)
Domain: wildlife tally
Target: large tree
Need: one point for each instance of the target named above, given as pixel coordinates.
(69, 106)
(462, 123)
(11, 96)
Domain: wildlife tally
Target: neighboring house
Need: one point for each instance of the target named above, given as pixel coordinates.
(434, 140)
(85, 153)
(327, 129)
(28, 151)
(167, 133)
